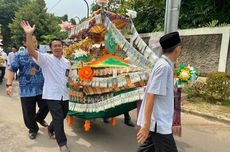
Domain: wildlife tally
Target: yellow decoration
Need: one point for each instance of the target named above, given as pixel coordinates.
(184, 75)
(83, 44)
(2, 60)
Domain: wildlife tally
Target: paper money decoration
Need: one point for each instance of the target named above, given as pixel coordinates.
(108, 102)
(111, 43)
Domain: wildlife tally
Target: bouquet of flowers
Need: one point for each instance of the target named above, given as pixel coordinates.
(185, 74)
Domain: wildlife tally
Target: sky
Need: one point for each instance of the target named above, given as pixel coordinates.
(72, 8)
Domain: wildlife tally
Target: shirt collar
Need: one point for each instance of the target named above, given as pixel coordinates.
(171, 63)
(61, 59)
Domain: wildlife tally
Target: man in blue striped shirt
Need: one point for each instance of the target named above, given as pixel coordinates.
(31, 86)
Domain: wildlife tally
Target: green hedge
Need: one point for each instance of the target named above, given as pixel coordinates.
(216, 88)
(196, 89)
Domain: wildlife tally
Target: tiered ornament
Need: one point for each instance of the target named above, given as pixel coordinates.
(103, 83)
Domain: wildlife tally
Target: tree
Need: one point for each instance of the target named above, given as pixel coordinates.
(193, 13)
(150, 15)
(72, 20)
(64, 18)
(200, 13)
(7, 13)
(36, 13)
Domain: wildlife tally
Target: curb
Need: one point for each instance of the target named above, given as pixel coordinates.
(207, 116)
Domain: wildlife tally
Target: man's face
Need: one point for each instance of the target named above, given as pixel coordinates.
(14, 49)
(57, 48)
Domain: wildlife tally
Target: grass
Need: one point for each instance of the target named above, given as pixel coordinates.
(225, 107)
(227, 104)
(198, 104)
(194, 97)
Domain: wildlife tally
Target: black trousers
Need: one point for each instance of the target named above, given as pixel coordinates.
(58, 110)
(29, 111)
(127, 116)
(3, 69)
(158, 143)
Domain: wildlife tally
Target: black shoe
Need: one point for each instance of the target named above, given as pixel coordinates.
(32, 135)
(106, 120)
(43, 123)
(129, 123)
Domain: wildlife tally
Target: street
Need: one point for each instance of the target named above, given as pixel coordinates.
(198, 135)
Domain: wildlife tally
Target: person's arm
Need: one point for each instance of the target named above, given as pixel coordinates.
(144, 131)
(148, 109)
(157, 86)
(14, 66)
(29, 35)
(9, 82)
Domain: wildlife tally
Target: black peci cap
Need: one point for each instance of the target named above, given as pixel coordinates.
(170, 41)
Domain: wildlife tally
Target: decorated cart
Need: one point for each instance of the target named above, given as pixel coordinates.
(108, 72)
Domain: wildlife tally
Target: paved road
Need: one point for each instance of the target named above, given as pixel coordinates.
(199, 134)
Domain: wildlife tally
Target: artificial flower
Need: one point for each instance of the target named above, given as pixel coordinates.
(85, 73)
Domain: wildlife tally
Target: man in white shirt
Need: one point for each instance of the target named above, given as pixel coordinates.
(3, 55)
(54, 68)
(11, 55)
(156, 112)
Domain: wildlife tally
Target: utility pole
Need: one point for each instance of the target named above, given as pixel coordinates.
(172, 12)
(87, 8)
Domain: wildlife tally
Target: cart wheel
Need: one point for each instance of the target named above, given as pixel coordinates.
(87, 125)
(70, 120)
(113, 121)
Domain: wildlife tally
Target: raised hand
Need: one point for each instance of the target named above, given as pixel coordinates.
(27, 28)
